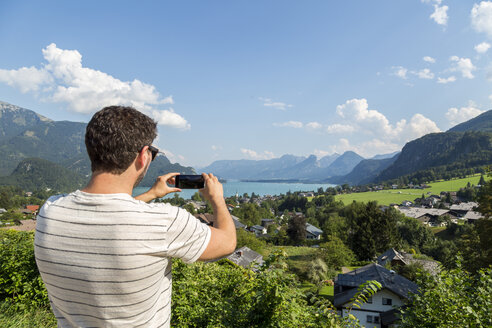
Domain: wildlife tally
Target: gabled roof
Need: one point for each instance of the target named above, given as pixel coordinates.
(416, 212)
(237, 223)
(244, 256)
(390, 255)
(313, 230)
(388, 280)
(472, 215)
(464, 206)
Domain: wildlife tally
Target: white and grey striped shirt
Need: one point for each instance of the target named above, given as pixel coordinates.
(105, 258)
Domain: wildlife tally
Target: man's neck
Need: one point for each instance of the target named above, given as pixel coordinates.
(108, 183)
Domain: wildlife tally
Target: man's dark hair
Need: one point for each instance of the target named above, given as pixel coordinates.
(115, 135)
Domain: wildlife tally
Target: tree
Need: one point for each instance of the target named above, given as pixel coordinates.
(197, 197)
(453, 298)
(336, 254)
(297, 229)
(245, 238)
(372, 231)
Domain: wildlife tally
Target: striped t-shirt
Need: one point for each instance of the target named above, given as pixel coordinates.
(106, 258)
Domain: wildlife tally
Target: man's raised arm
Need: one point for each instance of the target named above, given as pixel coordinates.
(223, 237)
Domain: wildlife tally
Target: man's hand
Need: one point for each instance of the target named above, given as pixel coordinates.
(160, 188)
(213, 191)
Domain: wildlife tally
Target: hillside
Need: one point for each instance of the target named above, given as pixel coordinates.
(39, 174)
(441, 155)
(482, 122)
(25, 134)
(365, 172)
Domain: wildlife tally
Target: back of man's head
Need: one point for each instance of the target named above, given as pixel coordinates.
(115, 135)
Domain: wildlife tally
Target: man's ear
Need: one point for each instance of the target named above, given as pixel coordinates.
(142, 158)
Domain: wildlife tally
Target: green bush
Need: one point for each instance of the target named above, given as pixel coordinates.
(20, 283)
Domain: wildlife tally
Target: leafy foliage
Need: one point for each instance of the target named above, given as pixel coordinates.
(20, 283)
(215, 295)
(453, 298)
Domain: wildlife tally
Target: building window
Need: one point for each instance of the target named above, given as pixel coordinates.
(369, 300)
(387, 301)
(369, 319)
(376, 319)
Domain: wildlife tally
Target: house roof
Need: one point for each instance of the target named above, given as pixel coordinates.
(472, 215)
(32, 208)
(313, 230)
(390, 255)
(416, 212)
(244, 256)
(257, 227)
(206, 218)
(464, 206)
(238, 223)
(388, 279)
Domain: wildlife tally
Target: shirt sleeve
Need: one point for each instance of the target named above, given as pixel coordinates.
(188, 237)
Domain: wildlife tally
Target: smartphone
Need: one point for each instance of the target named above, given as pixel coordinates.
(188, 181)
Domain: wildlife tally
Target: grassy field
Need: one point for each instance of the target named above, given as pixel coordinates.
(386, 197)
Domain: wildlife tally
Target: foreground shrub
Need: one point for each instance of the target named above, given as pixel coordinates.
(20, 283)
(454, 298)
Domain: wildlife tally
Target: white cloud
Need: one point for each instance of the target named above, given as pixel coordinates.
(440, 15)
(482, 47)
(457, 116)
(429, 59)
(372, 122)
(170, 118)
(26, 79)
(425, 74)
(481, 17)
(254, 155)
(63, 79)
(401, 72)
(289, 124)
(446, 80)
(267, 102)
(215, 147)
(340, 128)
(463, 65)
(314, 125)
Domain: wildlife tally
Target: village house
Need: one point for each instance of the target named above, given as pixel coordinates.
(267, 222)
(379, 311)
(312, 232)
(396, 258)
(427, 216)
(258, 230)
(244, 257)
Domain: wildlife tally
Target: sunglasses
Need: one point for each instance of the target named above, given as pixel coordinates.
(154, 151)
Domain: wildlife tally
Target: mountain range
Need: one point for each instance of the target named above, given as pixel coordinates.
(24, 134)
(26, 137)
(467, 147)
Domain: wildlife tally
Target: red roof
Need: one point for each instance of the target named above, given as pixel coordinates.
(32, 208)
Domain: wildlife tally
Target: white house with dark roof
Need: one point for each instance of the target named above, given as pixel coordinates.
(312, 232)
(380, 310)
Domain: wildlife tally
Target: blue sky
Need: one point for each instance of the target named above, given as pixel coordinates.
(254, 79)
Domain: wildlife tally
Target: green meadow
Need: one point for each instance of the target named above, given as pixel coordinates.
(386, 197)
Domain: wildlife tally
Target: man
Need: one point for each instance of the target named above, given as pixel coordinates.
(104, 256)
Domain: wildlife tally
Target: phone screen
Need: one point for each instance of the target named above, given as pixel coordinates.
(188, 181)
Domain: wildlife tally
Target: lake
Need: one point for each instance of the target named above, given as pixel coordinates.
(232, 187)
